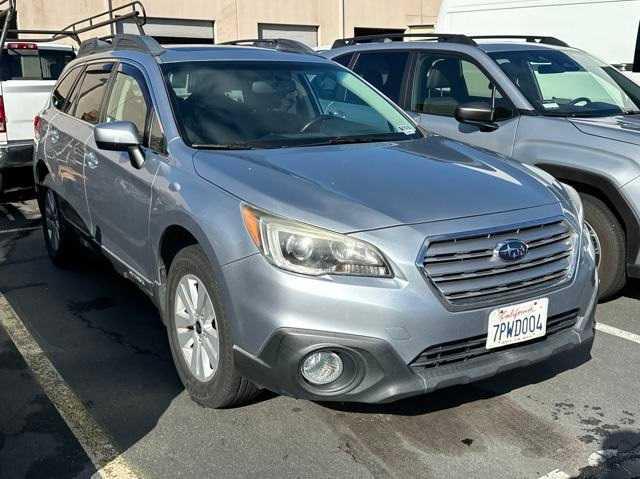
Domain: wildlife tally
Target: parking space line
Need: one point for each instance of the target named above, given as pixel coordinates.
(605, 328)
(94, 440)
(556, 474)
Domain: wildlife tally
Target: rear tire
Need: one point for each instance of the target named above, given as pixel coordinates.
(200, 334)
(59, 237)
(611, 242)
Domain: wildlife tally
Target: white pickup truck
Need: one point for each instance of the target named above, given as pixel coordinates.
(28, 73)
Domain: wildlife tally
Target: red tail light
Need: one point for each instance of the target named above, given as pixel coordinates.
(22, 46)
(37, 123)
(3, 117)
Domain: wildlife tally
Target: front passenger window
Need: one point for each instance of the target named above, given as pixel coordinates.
(127, 102)
(94, 85)
(444, 82)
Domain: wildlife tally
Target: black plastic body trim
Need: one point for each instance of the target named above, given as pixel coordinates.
(614, 197)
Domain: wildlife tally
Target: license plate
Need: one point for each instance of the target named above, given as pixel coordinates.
(518, 323)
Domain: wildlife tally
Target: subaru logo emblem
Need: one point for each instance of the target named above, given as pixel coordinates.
(512, 250)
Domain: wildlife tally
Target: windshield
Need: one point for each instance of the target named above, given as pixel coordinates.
(33, 64)
(567, 83)
(278, 104)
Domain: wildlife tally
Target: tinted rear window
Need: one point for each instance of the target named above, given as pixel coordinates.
(33, 64)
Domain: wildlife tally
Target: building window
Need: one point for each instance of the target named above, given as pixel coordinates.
(172, 30)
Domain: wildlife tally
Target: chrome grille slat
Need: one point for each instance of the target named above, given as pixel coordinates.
(492, 272)
(488, 241)
(465, 268)
(454, 268)
(509, 288)
(508, 278)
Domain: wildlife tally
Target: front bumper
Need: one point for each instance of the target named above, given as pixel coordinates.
(16, 174)
(382, 325)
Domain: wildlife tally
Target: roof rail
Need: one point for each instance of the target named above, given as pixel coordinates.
(132, 10)
(280, 44)
(388, 37)
(528, 38)
(122, 41)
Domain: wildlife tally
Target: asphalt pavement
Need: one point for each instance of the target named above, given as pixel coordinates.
(104, 344)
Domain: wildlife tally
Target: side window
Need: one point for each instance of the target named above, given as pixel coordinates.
(91, 93)
(344, 60)
(62, 93)
(156, 136)
(127, 101)
(384, 70)
(442, 83)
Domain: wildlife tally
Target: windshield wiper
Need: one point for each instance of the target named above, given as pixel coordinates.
(344, 140)
(224, 146)
(632, 112)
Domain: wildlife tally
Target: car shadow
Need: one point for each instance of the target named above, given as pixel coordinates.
(619, 457)
(631, 290)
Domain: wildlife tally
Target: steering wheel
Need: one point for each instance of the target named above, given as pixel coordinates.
(317, 120)
(581, 99)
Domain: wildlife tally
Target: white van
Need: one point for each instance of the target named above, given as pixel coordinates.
(608, 29)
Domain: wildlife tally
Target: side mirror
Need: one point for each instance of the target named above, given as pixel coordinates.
(120, 136)
(479, 114)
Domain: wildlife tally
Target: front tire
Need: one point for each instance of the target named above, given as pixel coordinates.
(609, 241)
(200, 334)
(58, 235)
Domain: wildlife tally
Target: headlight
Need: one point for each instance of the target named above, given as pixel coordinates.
(309, 250)
(576, 201)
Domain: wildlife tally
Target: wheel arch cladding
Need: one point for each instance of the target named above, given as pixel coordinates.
(601, 187)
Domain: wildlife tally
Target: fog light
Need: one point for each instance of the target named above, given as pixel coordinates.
(321, 367)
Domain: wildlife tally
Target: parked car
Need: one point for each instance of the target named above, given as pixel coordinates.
(534, 99)
(28, 72)
(321, 250)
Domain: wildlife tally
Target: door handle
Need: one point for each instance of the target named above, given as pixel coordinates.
(91, 160)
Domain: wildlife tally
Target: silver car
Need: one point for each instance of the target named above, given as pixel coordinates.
(298, 232)
(532, 98)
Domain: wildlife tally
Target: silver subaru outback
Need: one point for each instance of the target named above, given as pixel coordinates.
(298, 232)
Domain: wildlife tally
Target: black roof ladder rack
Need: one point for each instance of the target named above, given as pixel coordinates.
(132, 10)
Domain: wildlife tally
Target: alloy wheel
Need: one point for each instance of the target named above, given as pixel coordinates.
(196, 327)
(595, 241)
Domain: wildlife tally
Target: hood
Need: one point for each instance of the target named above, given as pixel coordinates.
(618, 127)
(348, 188)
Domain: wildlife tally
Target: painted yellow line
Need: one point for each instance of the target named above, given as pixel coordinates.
(621, 333)
(556, 474)
(93, 439)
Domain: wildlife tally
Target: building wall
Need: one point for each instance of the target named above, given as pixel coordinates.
(239, 18)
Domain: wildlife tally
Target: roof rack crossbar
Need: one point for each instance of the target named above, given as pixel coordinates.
(388, 37)
(121, 41)
(281, 44)
(546, 40)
